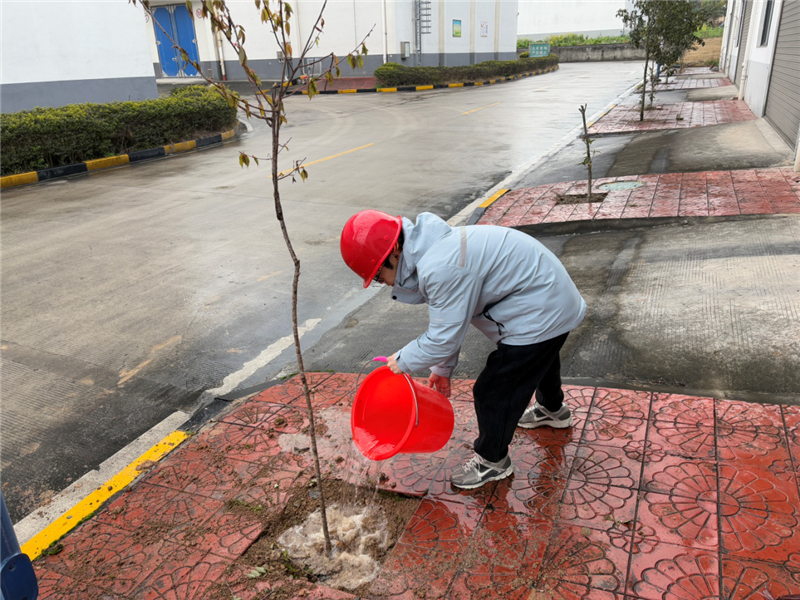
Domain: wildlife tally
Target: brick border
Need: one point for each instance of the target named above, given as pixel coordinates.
(10, 181)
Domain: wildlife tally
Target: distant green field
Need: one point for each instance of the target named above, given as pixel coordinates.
(575, 39)
(709, 32)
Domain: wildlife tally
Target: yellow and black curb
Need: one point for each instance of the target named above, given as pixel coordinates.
(479, 212)
(113, 161)
(438, 86)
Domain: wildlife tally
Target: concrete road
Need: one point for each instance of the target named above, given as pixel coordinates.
(129, 294)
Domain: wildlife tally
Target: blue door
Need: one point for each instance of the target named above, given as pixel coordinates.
(186, 38)
(175, 22)
(166, 53)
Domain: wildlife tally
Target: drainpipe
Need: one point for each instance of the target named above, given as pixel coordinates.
(385, 34)
(218, 51)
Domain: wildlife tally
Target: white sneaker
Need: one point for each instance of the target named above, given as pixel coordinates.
(477, 471)
(537, 415)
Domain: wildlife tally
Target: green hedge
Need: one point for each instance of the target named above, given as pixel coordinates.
(393, 75)
(53, 137)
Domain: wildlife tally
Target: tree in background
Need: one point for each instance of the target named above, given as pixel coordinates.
(268, 105)
(665, 29)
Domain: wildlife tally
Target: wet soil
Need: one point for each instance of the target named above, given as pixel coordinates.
(276, 571)
(581, 198)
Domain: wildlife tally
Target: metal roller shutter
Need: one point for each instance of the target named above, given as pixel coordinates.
(783, 96)
(748, 10)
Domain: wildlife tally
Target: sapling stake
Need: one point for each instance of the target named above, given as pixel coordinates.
(588, 141)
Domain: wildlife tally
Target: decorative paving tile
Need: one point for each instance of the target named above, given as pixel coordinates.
(503, 557)
(602, 430)
(758, 519)
(541, 475)
(679, 476)
(426, 556)
(150, 511)
(253, 414)
(679, 521)
(614, 405)
(750, 433)
(751, 580)
(270, 488)
(227, 534)
(685, 410)
(410, 474)
(675, 573)
(62, 587)
(182, 574)
(582, 563)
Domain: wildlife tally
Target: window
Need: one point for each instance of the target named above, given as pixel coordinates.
(766, 23)
(741, 24)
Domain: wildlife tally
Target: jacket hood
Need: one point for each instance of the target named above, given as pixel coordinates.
(418, 238)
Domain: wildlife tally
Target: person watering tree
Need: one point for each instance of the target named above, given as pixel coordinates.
(502, 281)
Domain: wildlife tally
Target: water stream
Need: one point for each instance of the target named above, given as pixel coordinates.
(357, 526)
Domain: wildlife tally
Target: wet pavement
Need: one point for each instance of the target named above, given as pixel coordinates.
(647, 496)
(678, 115)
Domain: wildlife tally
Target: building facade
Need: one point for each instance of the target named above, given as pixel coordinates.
(539, 19)
(409, 32)
(60, 52)
(761, 54)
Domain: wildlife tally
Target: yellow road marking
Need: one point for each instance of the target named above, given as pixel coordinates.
(348, 91)
(394, 89)
(424, 87)
(21, 179)
(111, 161)
(493, 199)
(455, 85)
(328, 158)
(481, 108)
(226, 135)
(70, 519)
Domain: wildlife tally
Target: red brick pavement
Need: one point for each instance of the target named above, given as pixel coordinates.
(680, 115)
(704, 194)
(691, 84)
(648, 495)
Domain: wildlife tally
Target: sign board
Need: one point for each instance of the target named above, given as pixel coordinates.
(456, 28)
(539, 50)
(484, 29)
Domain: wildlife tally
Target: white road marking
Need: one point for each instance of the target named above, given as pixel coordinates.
(270, 353)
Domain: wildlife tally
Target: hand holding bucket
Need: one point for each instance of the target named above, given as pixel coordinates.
(393, 414)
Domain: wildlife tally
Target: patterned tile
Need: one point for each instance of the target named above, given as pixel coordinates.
(181, 574)
(751, 580)
(541, 475)
(503, 557)
(614, 405)
(675, 573)
(679, 477)
(683, 410)
(750, 433)
(679, 521)
(678, 438)
(582, 563)
(758, 515)
(426, 556)
(62, 587)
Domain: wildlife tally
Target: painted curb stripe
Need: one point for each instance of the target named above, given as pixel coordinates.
(104, 163)
(21, 179)
(347, 91)
(180, 147)
(419, 88)
(55, 172)
(70, 519)
(394, 89)
(496, 196)
(146, 154)
(455, 85)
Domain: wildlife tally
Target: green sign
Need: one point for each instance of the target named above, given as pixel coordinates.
(539, 50)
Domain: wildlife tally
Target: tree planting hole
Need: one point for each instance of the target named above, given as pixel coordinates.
(581, 198)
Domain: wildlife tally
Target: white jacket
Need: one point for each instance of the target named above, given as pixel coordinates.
(504, 282)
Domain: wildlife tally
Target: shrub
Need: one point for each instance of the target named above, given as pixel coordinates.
(53, 137)
(394, 75)
(573, 39)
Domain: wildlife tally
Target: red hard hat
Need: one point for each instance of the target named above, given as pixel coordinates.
(367, 239)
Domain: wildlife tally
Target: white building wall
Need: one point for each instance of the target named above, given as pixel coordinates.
(58, 52)
(759, 61)
(539, 19)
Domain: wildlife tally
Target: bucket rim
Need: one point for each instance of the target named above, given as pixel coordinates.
(382, 372)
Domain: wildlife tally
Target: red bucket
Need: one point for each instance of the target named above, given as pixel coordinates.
(393, 414)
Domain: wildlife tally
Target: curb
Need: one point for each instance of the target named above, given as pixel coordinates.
(113, 161)
(437, 86)
(478, 212)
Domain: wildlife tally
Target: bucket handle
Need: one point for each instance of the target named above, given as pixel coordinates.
(410, 385)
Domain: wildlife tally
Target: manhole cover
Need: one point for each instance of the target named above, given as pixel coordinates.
(620, 185)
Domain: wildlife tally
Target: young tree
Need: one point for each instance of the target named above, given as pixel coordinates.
(665, 29)
(269, 105)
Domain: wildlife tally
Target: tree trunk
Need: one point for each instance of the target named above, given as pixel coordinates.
(295, 281)
(644, 87)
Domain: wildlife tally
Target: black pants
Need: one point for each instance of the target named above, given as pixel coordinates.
(505, 387)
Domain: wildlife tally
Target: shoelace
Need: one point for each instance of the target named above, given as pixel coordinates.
(473, 462)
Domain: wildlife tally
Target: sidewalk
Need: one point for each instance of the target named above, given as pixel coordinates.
(704, 194)
(647, 495)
